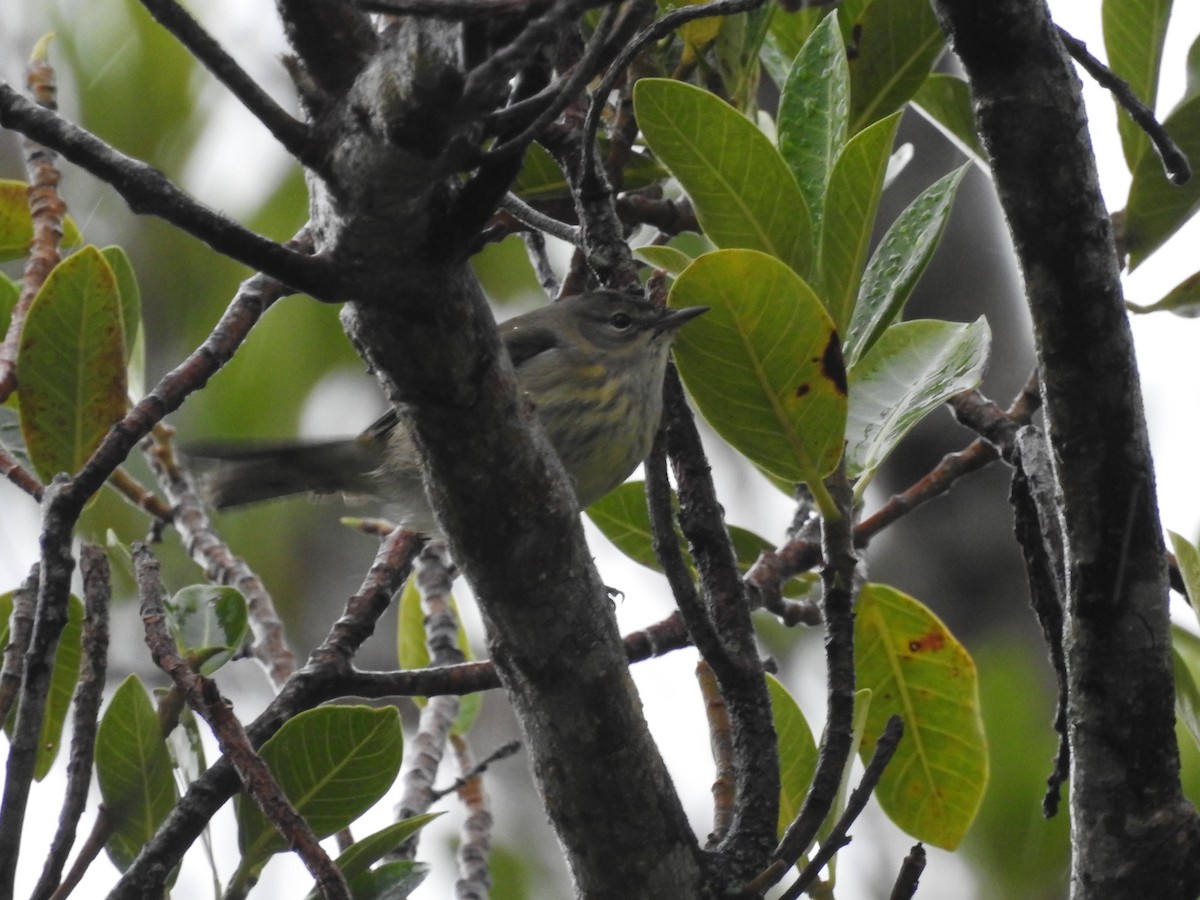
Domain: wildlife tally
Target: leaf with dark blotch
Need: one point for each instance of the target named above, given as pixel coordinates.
(765, 335)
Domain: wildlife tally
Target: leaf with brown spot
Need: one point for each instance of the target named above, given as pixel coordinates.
(745, 363)
(918, 670)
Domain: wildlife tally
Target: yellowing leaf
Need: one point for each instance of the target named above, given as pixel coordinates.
(16, 227)
(764, 365)
(917, 669)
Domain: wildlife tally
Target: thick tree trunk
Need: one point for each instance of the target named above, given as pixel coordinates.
(1133, 832)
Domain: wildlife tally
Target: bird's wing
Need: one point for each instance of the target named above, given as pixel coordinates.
(525, 341)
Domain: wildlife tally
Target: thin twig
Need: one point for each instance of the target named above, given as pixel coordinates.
(909, 875)
(504, 751)
(583, 72)
(474, 849)
(50, 617)
(48, 212)
(838, 579)
(838, 836)
(148, 192)
(720, 739)
(434, 577)
(220, 564)
(1174, 160)
(206, 700)
(523, 212)
(659, 29)
(97, 595)
(292, 134)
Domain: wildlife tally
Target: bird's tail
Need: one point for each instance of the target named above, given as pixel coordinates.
(252, 473)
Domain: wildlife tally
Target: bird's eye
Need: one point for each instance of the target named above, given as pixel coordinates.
(620, 321)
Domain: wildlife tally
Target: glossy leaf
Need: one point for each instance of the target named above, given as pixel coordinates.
(624, 518)
(210, 624)
(813, 113)
(363, 853)
(764, 366)
(945, 100)
(1134, 32)
(852, 199)
(911, 371)
(899, 41)
(413, 651)
(917, 669)
(897, 264)
(16, 226)
(786, 36)
(797, 752)
(63, 677)
(333, 763)
(743, 193)
(133, 769)
(1157, 208)
(71, 366)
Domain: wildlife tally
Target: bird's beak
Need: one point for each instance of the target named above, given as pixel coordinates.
(676, 318)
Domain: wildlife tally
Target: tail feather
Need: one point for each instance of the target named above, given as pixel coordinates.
(251, 474)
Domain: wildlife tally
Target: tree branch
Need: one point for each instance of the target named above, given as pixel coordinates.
(1138, 833)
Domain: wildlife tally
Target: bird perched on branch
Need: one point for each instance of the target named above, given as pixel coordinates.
(591, 364)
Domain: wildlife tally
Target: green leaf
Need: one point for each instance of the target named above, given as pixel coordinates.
(16, 226)
(541, 179)
(1157, 208)
(736, 53)
(395, 880)
(131, 313)
(797, 752)
(362, 854)
(413, 652)
(10, 292)
(853, 196)
(1185, 660)
(71, 366)
(1187, 557)
(623, 517)
(897, 264)
(917, 669)
(1183, 300)
(133, 769)
(210, 624)
(1134, 32)
(333, 763)
(671, 260)
(1193, 71)
(764, 365)
(814, 113)
(945, 100)
(786, 36)
(899, 41)
(741, 188)
(63, 677)
(912, 370)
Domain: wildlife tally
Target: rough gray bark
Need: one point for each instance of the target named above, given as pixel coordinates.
(417, 315)
(1133, 832)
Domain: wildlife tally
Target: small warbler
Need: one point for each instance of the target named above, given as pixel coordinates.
(592, 365)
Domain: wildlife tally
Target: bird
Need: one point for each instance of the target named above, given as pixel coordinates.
(592, 366)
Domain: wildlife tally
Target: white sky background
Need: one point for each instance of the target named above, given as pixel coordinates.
(1171, 382)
